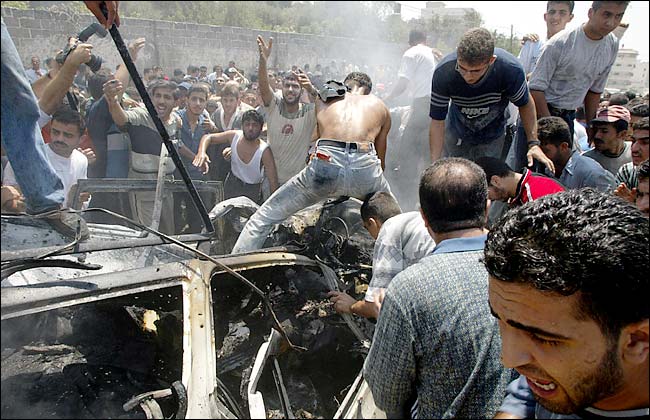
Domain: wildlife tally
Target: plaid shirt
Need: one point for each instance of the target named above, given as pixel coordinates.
(436, 339)
(403, 240)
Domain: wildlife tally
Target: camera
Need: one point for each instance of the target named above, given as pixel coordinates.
(95, 62)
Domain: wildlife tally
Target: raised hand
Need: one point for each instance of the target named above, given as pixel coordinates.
(264, 48)
(135, 47)
(111, 6)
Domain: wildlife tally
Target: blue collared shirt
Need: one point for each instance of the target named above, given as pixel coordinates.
(581, 171)
(474, 243)
(191, 140)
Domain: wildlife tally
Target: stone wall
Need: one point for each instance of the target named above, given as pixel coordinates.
(176, 44)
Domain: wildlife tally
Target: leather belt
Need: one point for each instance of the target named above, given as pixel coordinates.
(365, 147)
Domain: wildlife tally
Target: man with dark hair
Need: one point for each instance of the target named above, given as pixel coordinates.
(627, 174)
(512, 187)
(290, 123)
(609, 135)
(358, 79)
(480, 81)
(68, 162)
(433, 341)
(195, 122)
(643, 188)
(147, 148)
(250, 162)
(347, 160)
(415, 73)
(618, 99)
(401, 241)
(574, 65)
(571, 168)
(569, 284)
(558, 15)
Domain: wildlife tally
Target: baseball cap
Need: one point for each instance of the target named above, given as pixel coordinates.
(613, 113)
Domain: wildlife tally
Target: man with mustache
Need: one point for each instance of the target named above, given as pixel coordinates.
(610, 131)
(568, 284)
(68, 162)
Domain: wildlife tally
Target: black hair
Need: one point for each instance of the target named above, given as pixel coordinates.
(618, 99)
(453, 195)
(638, 109)
(619, 125)
(580, 242)
(253, 115)
(380, 206)
(642, 124)
(161, 84)
(67, 115)
(417, 36)
(476, 46)
(361, 79)
(597, 4)
(553, 130)
(200, 87)
(571, 4)
(494, 167)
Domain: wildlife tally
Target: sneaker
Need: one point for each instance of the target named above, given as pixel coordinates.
(66, 224)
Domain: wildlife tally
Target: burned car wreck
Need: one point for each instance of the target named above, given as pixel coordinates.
(157, 330)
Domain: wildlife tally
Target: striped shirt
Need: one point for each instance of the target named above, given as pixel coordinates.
(477, 112)
(628, 175)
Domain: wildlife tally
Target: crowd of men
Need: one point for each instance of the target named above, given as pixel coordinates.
(512, 286)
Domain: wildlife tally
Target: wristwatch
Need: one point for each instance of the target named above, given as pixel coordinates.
(533, 143)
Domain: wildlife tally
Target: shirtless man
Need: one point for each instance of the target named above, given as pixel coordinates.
(347, 157)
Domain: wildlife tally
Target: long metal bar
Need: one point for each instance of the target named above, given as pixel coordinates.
(106, 245)
(133, 72)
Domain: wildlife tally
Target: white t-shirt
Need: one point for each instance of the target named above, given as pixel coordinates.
(68, 169)
(33, 76)
(402, 241)
(417, 66)
(289, 136)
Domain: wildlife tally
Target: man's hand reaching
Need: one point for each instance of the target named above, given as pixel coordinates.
(111, 6)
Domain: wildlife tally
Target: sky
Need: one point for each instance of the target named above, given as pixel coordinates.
(528, 17)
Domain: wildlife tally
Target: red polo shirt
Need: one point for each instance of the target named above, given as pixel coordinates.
(531, 187)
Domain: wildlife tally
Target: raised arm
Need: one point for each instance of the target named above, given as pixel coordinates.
(51, 97)
(262, 73)
(113, 93)
(201, 159)
(122, 73)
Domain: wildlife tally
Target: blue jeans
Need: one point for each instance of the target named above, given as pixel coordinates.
(347, 173)
(23, 142)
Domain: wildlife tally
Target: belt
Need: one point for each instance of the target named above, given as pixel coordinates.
(353, 146)
(559, 111)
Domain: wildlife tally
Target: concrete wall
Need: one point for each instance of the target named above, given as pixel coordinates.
(176, 44)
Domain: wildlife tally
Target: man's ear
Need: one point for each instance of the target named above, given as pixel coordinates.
(495, 180)
(426, 222)
(636, 342)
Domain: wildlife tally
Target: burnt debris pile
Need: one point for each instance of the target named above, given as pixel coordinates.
(315, 380)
